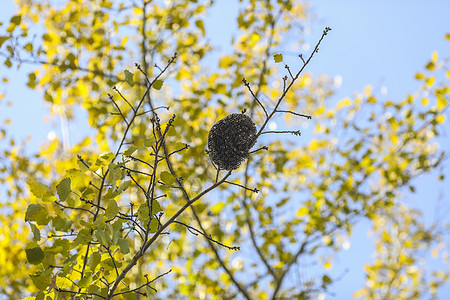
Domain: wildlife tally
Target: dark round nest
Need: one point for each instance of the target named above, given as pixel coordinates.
(230, 140)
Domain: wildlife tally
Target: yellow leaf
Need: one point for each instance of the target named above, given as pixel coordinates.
(344, 102)
(327, 265)
(430, 81)
(217, 208)
(441, 102)
(371, 100)
(278, 58)
(420, 76)
(368, 91)
(434, 56)
(435, 253)
(302, 211)
(440, 119)
(255, 37)
(425, 101)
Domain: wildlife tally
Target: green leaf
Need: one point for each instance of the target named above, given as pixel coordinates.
(157, 85)
(111, 210)
(8, 63)
(101, 237)
(61, 223)
(201, 26)
(94, 260)
(128, 296)
(35, 255)
(156, 208)
(154, 224)
(37, 213)
(28, 47)
(278, 58)
(143, 213)
(63, 189)
(40, 296)
(31, 80)
(148, 143)
(36, 232)
(41, 280)
(39, 189)
(3, 39)
(59, 246)
(123, 244)
(167, 178)
(326, 280)
(129, 77)
(47, 37)
(123, 186)
(83, 237)
(16, 19)
(130, 150)
(85, 281)
(104, 160)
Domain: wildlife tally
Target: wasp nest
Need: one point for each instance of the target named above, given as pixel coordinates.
(230, 139)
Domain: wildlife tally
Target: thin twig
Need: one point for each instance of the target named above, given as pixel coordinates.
(255, 190)
(294, 132)
(118, 108)
(136, 290)
(259, 149)
(294, 113)
(208, 237)
(153, 110)
(254, 96)
(125, 99)
(87, 166)
(78, 293)
(74, 208)
(113, 260)
(140, 160)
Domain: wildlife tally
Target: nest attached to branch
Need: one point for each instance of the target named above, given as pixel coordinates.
(230, 140)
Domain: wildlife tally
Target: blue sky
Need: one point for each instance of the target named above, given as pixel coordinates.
(380, 43)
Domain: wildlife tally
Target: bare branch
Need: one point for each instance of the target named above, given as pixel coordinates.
(294, 113)
(255, 190)
(235, 248)
(294, 132)
(254, 96)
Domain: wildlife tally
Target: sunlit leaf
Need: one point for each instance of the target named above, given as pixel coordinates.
(123, 244)
(129, 77)
(201, 26)
(37, 213)
(101, 237)
(278, 58)
(85, 281)
(167, 178)
(39, 189)
(94, 260)
(217, 208)
(157, 85)
(36, 232)
(112, 209)
(63, 189)
(41, 280)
